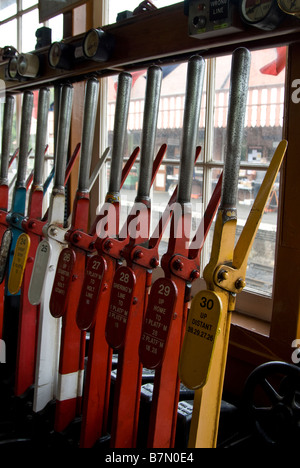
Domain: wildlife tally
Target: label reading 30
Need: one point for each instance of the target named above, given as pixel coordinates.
(199, 340)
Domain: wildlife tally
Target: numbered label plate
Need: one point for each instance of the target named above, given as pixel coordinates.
(18, 263)
(119, 308)
(157, 322)
(39, 272)
(4, 251)
(199, 340)
(86, 312)
(61, 284)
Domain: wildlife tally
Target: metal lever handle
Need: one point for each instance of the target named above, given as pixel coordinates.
(90, 110)
(57, 97)
(154, 79)
(120, 128)
(240, 70)
(24, 138)
(6, 138)
(63, 133)
(41, 135)
(194, 88)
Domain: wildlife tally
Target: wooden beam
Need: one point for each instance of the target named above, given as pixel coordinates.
(159, 36)
(285, 326)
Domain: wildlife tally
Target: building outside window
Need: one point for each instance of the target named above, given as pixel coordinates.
(262, 133)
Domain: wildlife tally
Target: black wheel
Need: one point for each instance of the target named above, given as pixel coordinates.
(272, 402)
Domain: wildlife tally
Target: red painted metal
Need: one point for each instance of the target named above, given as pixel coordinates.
(4, 194)
(29, 314)
(3, 226)
(119, 307)
(140, 262)
(62, 282)
(98, 373)
(157, 321)
(181, 266)
(73, 337)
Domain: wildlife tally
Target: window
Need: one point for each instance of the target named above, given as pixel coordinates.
(19, 19)
(263, 131)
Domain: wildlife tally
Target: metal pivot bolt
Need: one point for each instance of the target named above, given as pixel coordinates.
(223, 275)
(178, 265)
(138, 254)
(240, 283)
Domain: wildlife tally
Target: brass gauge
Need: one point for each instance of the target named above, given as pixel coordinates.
(28, 65)
(263, 14)
(13, 68)
(97, 45)
(291, 7)
(61, 55)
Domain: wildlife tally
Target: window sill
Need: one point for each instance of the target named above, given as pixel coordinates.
(252, 324)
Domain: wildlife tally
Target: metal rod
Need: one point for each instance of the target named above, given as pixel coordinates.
(57, 97)
(154, 78)
(240, 70)
(63, 135)
(194, 88)
(6, 138)
(90, 110)
(41, 135)
(98, 168)
(27, 108)
(120, 129)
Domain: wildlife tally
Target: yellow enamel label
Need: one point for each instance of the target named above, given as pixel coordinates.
(18, 264)
(200, 336)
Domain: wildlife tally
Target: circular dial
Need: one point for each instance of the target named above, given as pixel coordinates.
(292, 7)
(264, 14)
(13, 67)
(61, 55)
(91, 43)
(28, 65)
(97, 45)
(54, 54)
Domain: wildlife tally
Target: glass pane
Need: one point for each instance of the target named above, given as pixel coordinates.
(259, 276)
(8, 8)
(264, 113)
(28, 3)
(56, 24)
(30, 22)
(117, 6)
(8, 32)
(263, 131)
(169, 131)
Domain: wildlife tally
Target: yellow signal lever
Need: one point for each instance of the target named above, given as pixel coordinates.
(204, 351)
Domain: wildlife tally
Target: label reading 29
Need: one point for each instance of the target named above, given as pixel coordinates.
(156, 326)
(199, 340)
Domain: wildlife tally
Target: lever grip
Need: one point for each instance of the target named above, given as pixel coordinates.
(120, 128)
(89, 121)
(154, 79)
(240, 71)
(194, 88)
(6, 138)
(41, 135)
(27, 107)
(63, 134)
